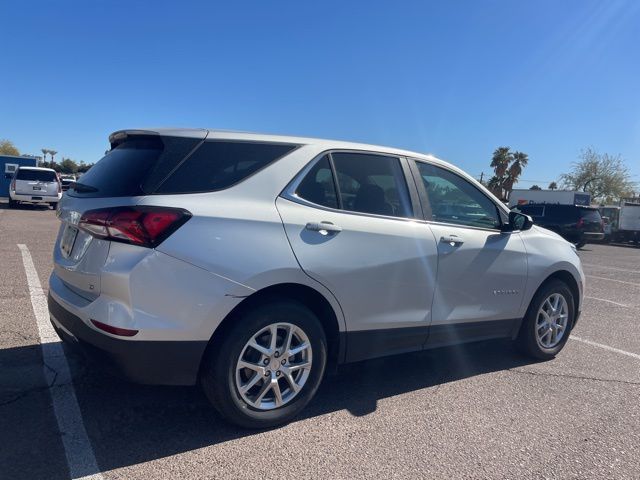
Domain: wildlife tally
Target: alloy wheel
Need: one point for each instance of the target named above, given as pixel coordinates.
(552, 320)
(273, 366)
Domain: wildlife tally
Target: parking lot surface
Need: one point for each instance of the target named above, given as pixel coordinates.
(476, 411)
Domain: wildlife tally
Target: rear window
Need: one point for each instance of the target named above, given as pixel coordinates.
(532, 210)
(220, 164)
(134, 167)
(590, 215)
(36, 176)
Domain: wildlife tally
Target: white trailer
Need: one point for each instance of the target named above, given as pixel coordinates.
(563, 197)
(628, 223)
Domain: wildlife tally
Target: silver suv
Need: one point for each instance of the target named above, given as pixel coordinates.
(251, 263)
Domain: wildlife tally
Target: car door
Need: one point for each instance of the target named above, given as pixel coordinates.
(351, 222)
(481, 270)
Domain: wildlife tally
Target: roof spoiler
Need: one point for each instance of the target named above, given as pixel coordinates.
(119, 136)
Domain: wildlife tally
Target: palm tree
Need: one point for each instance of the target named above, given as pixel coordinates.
(44, 156)
(500, 161)
(520, 161)
(52, 153)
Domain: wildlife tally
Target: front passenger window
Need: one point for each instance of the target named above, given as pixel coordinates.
(452, 199)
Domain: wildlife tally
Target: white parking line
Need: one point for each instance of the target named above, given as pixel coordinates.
(605, 347)
(77, 447)
(611, 268)
(608, 301)
(614, 280)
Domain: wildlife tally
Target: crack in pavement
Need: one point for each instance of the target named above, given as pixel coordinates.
(576, 377)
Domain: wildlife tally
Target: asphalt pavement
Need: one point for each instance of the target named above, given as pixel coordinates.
(474, 411)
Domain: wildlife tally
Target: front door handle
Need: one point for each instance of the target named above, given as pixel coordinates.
(323, 228)
(452, 240)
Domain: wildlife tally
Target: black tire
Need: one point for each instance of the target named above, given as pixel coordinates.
(218, 370)
(13, 204)
(54, 205)
(527, 341)
(580, 244)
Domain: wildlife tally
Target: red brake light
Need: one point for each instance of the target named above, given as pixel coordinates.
(145, 226)
(13, 184)
(580, 223)
(59, 186)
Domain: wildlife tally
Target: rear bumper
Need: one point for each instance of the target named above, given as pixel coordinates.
(35, 198)
(592, 236)
(148, 362)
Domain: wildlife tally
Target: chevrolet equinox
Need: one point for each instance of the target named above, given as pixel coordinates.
(250, 263)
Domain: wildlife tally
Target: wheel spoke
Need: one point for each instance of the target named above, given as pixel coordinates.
(274, 337)
(256, 346)
(247, 386)
(299, 366)
(287, 340)
(251, 366)
(263, 391)
(287, 375)
(297, 349)
(277, 394)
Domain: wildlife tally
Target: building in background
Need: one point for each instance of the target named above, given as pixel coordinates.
(8, 165)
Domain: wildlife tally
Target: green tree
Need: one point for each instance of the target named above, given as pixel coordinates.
(68, 166)
(535, 187)
(553, 186)
(606, 177)
(52, 153)
(8, 148)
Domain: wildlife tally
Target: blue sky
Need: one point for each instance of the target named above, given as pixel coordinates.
(453, 78)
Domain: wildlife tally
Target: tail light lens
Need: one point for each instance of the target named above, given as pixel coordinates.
(59, 186)
(13, 184)
(144, 226)
(580, 223)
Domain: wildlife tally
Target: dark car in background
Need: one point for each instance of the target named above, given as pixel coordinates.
(576, 224)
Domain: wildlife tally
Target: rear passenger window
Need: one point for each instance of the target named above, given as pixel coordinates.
(318, 186)
(221, 164)
(374, 184)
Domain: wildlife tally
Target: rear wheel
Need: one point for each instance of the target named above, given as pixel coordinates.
(54, 205)
(268, 366)
(546, 327)
(12, 203)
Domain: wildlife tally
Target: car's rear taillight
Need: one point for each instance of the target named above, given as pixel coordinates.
(59, 187)
(580, 223)
(13, 184)
(144, 226)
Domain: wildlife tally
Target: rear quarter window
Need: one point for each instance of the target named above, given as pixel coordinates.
(590, 215)
(217, 165)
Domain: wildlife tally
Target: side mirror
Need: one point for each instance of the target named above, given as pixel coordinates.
(518, 221)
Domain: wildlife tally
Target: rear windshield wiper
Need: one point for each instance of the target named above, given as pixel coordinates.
(81, 187)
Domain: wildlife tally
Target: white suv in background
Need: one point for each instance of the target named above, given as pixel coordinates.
(249, 263)
(35, 185)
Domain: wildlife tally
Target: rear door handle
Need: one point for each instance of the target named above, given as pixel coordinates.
(452, 240)
(323, 228)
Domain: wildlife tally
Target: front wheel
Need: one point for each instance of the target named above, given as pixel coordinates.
(268, 366)
(548, 322)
